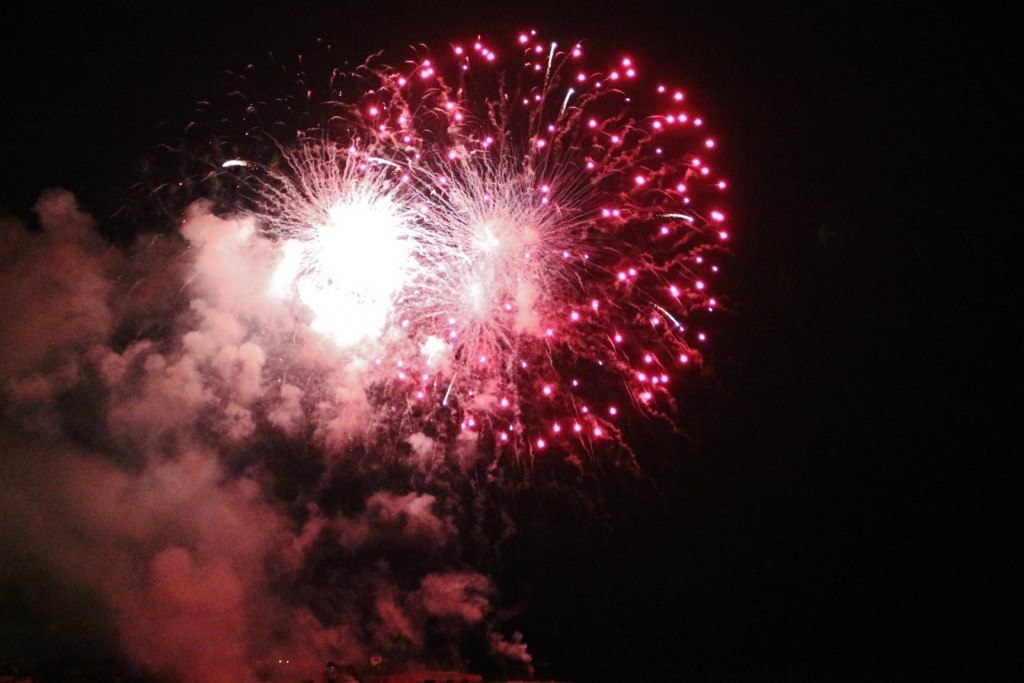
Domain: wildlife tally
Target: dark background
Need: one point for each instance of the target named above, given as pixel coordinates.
(841, 505)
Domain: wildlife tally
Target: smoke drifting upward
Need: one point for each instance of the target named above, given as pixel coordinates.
(192, 475)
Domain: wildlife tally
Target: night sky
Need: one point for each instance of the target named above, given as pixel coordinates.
(836, 506)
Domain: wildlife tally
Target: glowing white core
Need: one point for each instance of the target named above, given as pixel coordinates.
(354, 267)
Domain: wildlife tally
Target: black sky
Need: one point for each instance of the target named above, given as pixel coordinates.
(842, 512)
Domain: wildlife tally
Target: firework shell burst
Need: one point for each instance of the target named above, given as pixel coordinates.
(513, 244)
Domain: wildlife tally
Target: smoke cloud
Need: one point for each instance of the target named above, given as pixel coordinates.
(197, 483)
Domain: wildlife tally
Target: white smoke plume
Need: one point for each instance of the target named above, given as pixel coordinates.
(200, 483)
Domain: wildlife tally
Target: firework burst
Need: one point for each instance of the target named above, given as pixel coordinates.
(521, 247)
(385, 333)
